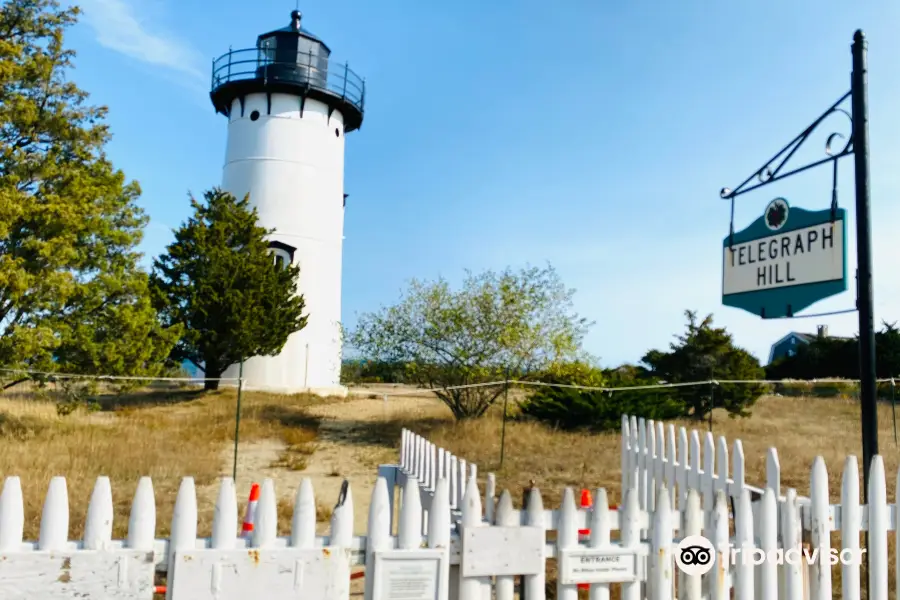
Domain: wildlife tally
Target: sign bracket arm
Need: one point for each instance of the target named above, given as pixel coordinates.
(771, 171)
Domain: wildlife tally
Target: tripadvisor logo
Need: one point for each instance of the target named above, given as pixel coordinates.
(696, 555)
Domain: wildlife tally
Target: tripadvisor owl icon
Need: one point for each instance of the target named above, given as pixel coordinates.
(695, 555)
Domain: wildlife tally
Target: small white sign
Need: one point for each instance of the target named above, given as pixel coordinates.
(598, 565)
(809, 255)
(411, 575)
(493, 551)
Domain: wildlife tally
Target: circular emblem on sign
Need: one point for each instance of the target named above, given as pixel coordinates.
(776, 214)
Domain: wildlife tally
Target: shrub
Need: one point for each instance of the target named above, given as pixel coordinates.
(569, 408)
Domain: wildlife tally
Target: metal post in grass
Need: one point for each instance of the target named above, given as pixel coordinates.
(237, 419)
(894, 408)
(503, 426)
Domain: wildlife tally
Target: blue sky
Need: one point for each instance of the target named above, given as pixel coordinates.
(595, 136)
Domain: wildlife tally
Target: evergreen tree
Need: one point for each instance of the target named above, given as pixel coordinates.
(72, 297)
(599, 410)
(220, 282)
(705, 353)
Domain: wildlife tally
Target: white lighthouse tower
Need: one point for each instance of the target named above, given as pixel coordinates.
(288, 108)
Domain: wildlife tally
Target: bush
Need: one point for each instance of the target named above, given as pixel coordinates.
(573, 409)
(823, 389)
(568, 408)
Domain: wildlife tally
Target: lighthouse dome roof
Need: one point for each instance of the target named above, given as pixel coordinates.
(294, 27)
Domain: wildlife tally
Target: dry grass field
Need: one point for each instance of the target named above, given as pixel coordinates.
(167, 434)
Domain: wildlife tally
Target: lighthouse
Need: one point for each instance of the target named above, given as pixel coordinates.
(288, 108)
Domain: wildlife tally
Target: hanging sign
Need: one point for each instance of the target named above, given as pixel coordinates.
(785, 261)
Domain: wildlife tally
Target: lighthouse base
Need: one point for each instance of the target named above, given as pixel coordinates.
(339, 391)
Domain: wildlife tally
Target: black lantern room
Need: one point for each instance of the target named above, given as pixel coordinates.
(289, 60)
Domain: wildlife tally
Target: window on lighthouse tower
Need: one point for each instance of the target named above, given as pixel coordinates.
(282, 254)
(281, 258)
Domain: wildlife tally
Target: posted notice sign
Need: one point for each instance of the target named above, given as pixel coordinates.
(785, 261)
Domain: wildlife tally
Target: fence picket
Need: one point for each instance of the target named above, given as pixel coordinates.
(600, 537)
(439, 533)
(722, 466)
(473, 588)
(791, 540)
(55, 516)
(689, 586)
(878, 527)
(630, 529)
(567, 538)
(99, 521)
(651, 460)
(720, 576)
(142, 520)
(12, 515)
(625, 452)
(506, 517)
(533, 585)
(378, 534)
(669, 472)
(303, 523)
(661, 582)
(743, 570)
(490, 497)
(694, 481)
(183, 528)
(820, 532)
(768, 542)
(682, 466)
(225, 517)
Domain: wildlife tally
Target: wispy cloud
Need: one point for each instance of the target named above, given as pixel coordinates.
(118, 27)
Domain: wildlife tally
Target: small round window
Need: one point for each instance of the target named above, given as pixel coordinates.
(337, 132)
(254, 115)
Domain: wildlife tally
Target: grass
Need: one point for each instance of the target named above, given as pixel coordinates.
(165, 434)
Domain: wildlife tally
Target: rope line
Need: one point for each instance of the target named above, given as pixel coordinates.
(426, 391)
(113, 377)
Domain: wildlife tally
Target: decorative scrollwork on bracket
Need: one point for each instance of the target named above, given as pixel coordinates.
(772, 170)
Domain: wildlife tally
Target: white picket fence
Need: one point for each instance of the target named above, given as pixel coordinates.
(464, 555)
(448, 563)
(654, 453)
(657, 456)
(427, 463)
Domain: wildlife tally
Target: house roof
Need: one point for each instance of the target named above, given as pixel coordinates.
(803, 337)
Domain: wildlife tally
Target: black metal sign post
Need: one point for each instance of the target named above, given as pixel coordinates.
(858, 146)
(859, 87)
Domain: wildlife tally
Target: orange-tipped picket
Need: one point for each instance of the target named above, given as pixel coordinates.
(587, 503)
(247, 527)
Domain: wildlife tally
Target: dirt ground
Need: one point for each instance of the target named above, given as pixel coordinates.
(355, 437)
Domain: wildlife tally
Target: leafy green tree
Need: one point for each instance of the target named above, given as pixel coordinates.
(220, 282)
(521, 321)
(705, 353)
(72, 297)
